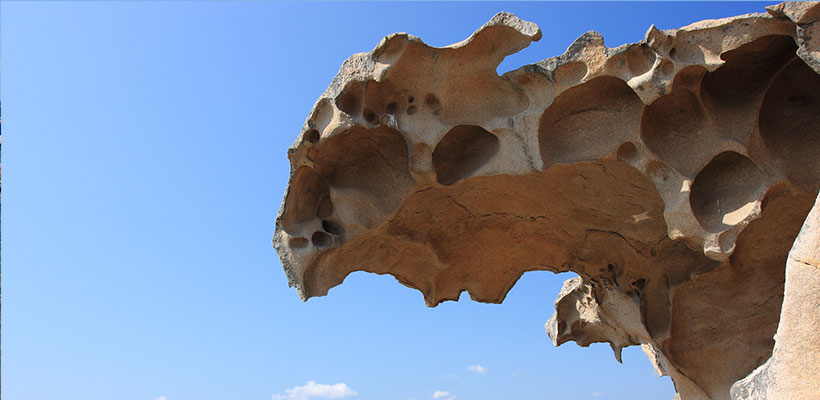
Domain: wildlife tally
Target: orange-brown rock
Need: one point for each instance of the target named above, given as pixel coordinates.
(672, 175)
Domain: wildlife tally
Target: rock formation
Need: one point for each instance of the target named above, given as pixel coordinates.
(672, 175)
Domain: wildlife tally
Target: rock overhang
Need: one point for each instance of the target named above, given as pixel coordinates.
(668, 174)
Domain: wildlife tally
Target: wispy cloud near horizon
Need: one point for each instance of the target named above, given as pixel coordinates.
(443, 395)
(477, 369)
(313, 390)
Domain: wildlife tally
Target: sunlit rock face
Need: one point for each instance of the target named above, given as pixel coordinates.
(672, 175)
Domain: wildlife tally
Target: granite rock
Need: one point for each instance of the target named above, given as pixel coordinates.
(673, 175)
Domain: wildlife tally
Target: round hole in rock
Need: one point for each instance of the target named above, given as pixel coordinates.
(370, 166)
(746, 71)
(370, 116)
(350, 100)
(410, 99)
(640, 60)
(322, 114)
(732, 93)
(675, 128)
(462, 151)
(298, 242)
(588, 120)
(790, 123)
(627, 152)
(312, 136)
(411, 110)
(321, 239)
(430, 99)
(725, 190)
(333, 228)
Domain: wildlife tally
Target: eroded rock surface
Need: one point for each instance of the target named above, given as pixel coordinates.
(672, 175)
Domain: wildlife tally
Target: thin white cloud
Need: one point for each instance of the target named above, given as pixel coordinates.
(313, 390)
(477, 369)
(597, 394)
(161, 398)
(441, 394)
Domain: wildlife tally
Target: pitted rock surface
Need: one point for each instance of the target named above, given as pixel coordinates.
(672, 175)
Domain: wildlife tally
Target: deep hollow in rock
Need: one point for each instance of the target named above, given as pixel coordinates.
(462, 151)
(725, 191)
(588, 120)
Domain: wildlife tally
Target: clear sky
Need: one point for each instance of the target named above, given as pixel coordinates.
(144, 163)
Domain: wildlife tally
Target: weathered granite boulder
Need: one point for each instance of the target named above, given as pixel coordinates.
(672, 175)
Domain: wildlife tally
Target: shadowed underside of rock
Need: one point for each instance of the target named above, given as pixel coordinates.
(672, 175)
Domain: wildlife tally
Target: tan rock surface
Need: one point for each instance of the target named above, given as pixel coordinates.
(673, 175)
(793, 370)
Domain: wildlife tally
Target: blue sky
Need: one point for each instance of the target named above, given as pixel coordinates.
(143, 166)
